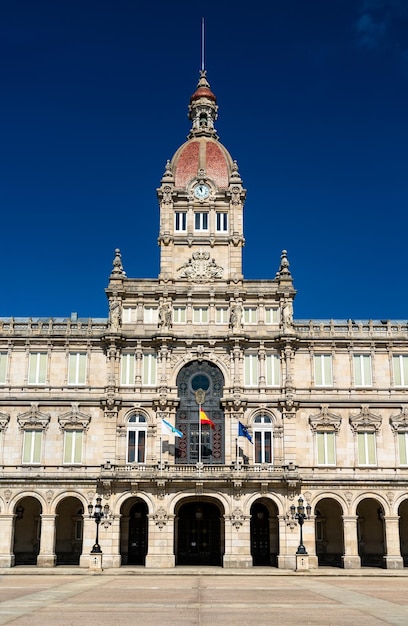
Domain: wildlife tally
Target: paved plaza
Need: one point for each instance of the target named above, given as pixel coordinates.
(204, 599)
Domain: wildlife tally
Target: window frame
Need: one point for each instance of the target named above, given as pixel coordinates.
(37, 368)
(402, 370)
(79, 369)
(250, 315)
(221, 222)
(324, 459)
(135, 428)
(179, 314)
(180, 216)
(201, 221)
(149, 369)
(75, 448)
(272, 372)
(359, 373)
(251, 372)
(323, 372)
(3, 367)
(200, 315)
(126, 378)
(262, 433)
(32, 439)
(363, 435)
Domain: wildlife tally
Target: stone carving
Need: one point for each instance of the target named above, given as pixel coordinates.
(74, 418)
(160, 518)
(237, 518)
(236, 315)
(200, 268)
(34, 417)
(287, 313)
(165, 314)
(115, 315)
(325, 421)
(117, 265)
(365, 420)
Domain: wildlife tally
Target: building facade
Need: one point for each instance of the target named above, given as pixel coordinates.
(317, 409)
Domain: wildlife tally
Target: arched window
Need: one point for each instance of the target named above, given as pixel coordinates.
(207, 377)
(263, 439)
(136, 439)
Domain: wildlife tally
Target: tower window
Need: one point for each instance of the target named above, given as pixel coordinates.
(180, 221)
(222, 222)
(201, 221)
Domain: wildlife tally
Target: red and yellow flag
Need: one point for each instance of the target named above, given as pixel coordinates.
(204, 419)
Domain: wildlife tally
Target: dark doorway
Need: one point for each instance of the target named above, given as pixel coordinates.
(199, 534)
(69, 527)
(370, 526)
(260, 542)
(27, 531)
(137, 548)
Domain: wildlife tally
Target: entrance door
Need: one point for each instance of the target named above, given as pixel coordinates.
(199, 540)
(137, 548)
(260, 541)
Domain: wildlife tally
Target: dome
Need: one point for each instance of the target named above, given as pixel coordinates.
(205, 154)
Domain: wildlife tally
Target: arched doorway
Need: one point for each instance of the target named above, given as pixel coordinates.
(134, 532)
(329, 532)
(69, 529)
(198, 533)
(27, 531)
(371, 535)
(264, 533)
(403, 530)
(207, 377)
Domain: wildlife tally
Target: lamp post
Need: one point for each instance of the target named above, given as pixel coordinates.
(298, 513)
(97, 515)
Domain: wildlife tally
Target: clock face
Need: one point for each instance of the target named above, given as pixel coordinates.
(201, 192)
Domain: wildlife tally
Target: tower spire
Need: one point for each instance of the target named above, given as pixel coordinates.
(202, 44)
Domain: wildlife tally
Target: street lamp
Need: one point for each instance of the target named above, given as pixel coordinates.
(97, 515)
(298, 513)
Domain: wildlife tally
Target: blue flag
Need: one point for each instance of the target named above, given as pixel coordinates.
(243, 432)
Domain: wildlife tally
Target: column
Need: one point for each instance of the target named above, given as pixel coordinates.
(160, 552)
(6, 540)
(393, 558)
(237, 541)
(351, 558)
(47, 556)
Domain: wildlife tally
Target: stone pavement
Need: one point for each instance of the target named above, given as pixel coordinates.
(202, 598)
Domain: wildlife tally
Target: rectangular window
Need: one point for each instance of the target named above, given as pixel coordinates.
(362, 370)
(323, 370)
(400, 367)
(136, 446)
(200, 315)
(272, 370)
(127, 370)
(271, 315)
(366, 449)
(3, 367)
(263, 446)
(149, 369)
(222, 222)
(180, 221)
(150, 315)
(37, 367)
(32, 446)
(251, 370)
(73, 446)
(403, 448)
(77, 368)
(179, 315)
(326, 454)
(200, 221)
(250, 315)
(129, 315)
(221, 315)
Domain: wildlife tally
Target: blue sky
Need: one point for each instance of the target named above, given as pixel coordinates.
(313, 105)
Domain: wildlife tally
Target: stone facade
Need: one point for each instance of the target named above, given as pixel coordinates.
(316, 409)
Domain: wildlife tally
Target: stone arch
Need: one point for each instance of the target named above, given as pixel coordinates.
(188, 359)
(329, 533)
(275, 500)
(370, 513)
(69, 525)
(403, 528)
(28, 509)
(134, 513)
(199, 531)
(201, 442)
(264, 531)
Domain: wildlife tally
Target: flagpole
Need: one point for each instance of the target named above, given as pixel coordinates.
(199, 433)
(236, 452)
(161, 448)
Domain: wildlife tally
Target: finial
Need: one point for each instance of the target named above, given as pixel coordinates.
(117, 265)
(284, 265)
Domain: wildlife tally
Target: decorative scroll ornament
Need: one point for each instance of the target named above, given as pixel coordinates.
(160, 518)
(200, 268)
(237, 518)
(325, 421)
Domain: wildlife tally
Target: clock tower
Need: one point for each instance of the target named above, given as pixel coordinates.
(201, 203)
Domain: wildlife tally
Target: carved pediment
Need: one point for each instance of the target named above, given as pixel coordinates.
(33, 418)
(200, 268)
(325, 420)
(399, 423)
(365, 421)
(74, 418)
